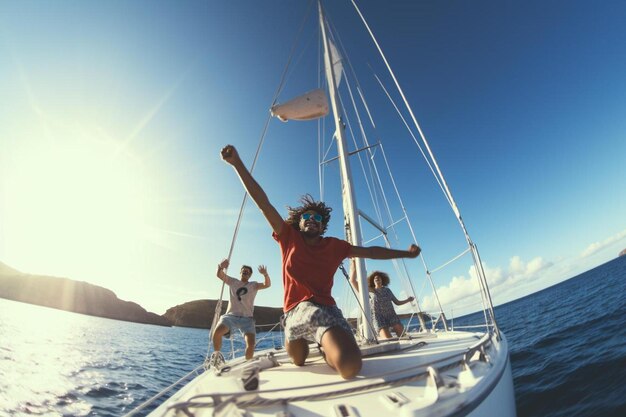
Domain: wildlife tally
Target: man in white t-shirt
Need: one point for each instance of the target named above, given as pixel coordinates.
(240, 307)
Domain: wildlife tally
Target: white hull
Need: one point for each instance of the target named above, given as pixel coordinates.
(425, 375)
(501, 400)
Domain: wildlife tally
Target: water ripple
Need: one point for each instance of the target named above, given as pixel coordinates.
(567, 353)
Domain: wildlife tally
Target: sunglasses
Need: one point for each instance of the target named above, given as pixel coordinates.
(316, 217)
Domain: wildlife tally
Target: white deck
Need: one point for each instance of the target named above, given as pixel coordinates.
(396, 381)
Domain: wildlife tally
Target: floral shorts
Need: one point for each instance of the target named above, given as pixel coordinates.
(310, 321)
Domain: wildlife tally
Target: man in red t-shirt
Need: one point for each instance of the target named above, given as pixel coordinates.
(309, 264)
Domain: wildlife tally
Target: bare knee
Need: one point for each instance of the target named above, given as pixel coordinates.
(219, 332)
(342, 352)
(349, 364)
(298, 361)
(298, 351)
(384, 333)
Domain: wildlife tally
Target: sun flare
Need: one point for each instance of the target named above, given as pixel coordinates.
(79, 199)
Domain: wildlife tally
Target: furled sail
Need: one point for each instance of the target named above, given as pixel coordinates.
(311, 105)
(336, 59)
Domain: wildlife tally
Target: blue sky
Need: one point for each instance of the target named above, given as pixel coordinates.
(112, 115)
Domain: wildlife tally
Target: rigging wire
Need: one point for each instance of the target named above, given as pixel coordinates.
(430, 166)
(335, 35)
(425, 265)
(374, 174)
(279, 89)
(376, 177)
(364, 314)
(401, 272)
(480, 270)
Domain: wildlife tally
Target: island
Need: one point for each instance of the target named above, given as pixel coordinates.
(85, 298)
(75, 296)
(200, 314)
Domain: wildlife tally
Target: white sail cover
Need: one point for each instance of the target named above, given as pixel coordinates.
(336, 59)
(311, 105)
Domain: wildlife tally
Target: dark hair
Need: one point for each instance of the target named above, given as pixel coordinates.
(249, 268)
(308, 204)
(370, 279)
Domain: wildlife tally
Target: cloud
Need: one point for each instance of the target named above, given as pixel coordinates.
(598, 246)
(466, 289)
(463, 293)
(460, 288)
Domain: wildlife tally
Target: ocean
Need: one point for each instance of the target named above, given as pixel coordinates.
(567, 345)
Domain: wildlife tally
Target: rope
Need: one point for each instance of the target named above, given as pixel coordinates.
(376, 178)
(267, 333)
(410, 110)
(279, 89)
(390, 379)
(373, 167)
(320, 395)
(346, 58)
(364, 314)
(374, 173)
(450, 261)
(430, 166)
(261, 402)
(482, 279)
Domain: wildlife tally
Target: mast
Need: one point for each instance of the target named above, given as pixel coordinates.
(349, 201)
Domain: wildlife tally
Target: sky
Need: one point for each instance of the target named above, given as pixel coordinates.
(112, 115)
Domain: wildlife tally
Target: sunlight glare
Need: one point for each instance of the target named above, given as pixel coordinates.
(77, 202)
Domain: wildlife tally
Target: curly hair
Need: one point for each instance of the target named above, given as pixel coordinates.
(370, 279)
(308, 204)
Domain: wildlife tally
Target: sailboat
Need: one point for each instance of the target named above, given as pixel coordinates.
(434, 368)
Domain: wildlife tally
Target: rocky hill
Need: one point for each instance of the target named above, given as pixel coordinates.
(200, 313)
(70, 295)
(85, 298)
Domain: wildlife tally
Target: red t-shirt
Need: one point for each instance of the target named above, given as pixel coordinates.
(308, 270)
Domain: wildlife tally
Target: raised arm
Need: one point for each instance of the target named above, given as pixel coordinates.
(220, 269)
(268, 282)
(353, 281)
(379, 252)
(231, 156)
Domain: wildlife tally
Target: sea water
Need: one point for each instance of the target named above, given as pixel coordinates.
(567, 345)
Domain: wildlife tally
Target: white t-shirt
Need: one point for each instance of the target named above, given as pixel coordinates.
(242, 296)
